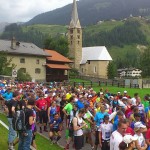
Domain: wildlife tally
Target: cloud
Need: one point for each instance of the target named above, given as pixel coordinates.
(24, 10)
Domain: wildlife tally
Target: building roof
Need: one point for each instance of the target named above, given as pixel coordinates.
(58, 66)
(55, 56)
(22, 48)
(75, 23)
(95, 53)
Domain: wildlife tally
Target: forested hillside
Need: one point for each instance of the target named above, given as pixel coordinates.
(96, 10)
(124, 39)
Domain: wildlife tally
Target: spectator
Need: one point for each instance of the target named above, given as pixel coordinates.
(25, 138)
(128, 143)
(117, 136)
(138, 128)
(78, 125)
(105, 131)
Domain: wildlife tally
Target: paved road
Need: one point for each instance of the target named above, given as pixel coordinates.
(62, 141)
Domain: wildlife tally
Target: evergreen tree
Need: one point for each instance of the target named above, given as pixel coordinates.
(111, 70)
(144, 61)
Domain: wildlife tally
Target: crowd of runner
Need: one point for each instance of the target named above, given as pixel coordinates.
(105, 120)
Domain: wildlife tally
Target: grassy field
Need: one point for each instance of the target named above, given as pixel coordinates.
(52, 30)
(42, 143)
(113, 89)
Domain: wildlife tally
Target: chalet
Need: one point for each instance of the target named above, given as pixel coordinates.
(57, 66)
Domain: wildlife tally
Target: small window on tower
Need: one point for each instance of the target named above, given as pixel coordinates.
(71, 37)
(78, 42)
(71, 31)
(71, 42)
(78, 31)
(78, 36)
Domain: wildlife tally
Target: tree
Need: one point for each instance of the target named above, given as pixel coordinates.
(144, 63)
(21, 76)
(5, 64)
(60, 44)
(111, 70)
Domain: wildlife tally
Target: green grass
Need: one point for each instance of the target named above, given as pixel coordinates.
(52, 30)
(3, 138)
(42, 143)
(113, 89)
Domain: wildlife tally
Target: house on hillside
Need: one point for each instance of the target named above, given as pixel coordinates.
(129, 72)
(27, 57)
(95, 61)
(90, 61)
(57, 66)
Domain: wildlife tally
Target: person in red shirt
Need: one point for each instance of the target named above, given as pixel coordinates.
(42, 108)
(129, 130)
(49, 99)
(148, 138)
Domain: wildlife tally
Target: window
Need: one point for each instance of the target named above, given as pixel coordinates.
(37, 61)
(82, 70)
(37, 70)
(78, 36)
(78, 42)
(71, 42)
(78, 31)
(95, 69)
(22, 60)
(23, 70)
(71, 37)
(71, 31)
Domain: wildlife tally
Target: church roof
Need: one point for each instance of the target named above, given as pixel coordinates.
(95, 53)
(75, 23)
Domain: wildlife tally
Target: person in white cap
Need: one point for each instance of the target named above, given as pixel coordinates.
(140, 144)
(128, 142)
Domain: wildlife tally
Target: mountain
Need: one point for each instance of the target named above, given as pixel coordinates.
(2, 26)
(92, 11)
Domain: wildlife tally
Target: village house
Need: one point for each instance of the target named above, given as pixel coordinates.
(129, 72)
(27, 57)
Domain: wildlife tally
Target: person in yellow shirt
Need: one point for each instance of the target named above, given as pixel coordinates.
(68, 95)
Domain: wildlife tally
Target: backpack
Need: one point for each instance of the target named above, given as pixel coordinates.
(18, 121)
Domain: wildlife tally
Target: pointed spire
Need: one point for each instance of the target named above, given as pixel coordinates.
(75, 23)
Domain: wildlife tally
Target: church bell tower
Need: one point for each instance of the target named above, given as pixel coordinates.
(75, 38)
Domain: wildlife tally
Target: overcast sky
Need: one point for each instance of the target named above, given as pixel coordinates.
(24, 10)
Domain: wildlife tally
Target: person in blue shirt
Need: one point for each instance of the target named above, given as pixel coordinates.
(55, 127)
(80, 103)
(8, 95)
(120, 116)
(98, 120)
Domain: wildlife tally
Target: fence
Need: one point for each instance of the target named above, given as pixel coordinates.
(91, 84)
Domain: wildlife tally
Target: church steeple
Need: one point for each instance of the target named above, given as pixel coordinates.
(75, 23)
(75, 38)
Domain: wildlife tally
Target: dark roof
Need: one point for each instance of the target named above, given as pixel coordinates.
(22, 48)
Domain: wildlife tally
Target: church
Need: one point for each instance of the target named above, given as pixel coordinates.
(89, 61)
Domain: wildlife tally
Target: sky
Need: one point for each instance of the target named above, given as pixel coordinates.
(24, 10)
